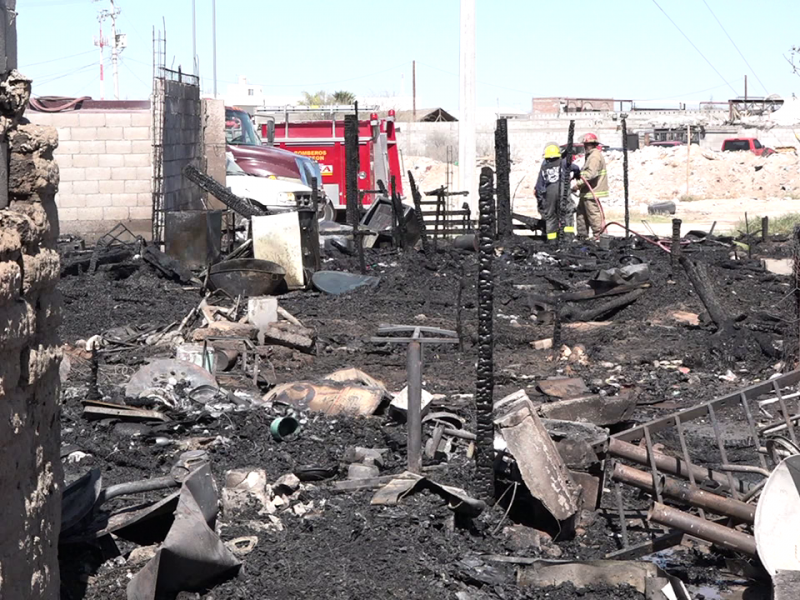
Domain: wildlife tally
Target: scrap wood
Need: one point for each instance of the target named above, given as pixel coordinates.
(225, 329)
(408, 483)
(104, 410)
(289, 317)
(586, 574)
(289, 335)
(589, 294)
(586, 326)
(594, 313)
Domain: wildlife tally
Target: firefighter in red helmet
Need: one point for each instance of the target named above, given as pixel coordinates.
(592, 189)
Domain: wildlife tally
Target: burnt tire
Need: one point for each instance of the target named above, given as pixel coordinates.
(661, 208)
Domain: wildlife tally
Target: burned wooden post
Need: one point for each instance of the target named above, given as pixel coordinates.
(749, 240)
(765, 229)
(398, 220)
(698, 275)
(797, 289)
(563, 199)
(484, 389)
(314, 195)
(625, 177)
(675, 248)
(417, 196)
(502, 159)
(462, 282)
(557, 328)
(351, 170)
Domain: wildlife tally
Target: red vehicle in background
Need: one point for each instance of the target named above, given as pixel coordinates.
(746, 145)
(323, 141)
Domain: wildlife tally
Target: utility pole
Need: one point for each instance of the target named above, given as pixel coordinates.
(745, 92)
(194, 40)
(101, 43)
(467, 105)
(414, 88)
(214, 40)
(118, 43)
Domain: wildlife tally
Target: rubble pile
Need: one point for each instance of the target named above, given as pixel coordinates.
(277, 426)
(658, 174)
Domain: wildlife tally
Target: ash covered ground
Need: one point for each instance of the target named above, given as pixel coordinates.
(346, 548)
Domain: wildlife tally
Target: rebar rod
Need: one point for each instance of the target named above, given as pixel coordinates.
(484, 389)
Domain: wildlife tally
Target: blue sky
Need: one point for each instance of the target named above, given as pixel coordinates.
(626, 49)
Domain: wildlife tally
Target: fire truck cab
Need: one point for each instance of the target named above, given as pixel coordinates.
(322, 139)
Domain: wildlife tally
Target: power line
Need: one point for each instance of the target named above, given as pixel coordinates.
(124, 63)
(693, 45)
(44, 62)
(766, 91)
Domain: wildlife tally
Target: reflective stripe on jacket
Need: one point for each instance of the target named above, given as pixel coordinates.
(594, 172)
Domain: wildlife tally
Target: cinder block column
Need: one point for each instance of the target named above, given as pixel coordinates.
(30, 466)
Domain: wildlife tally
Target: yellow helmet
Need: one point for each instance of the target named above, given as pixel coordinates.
(552, 151)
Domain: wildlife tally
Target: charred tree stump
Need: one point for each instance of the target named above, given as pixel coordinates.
(417, 196)
(765, 229)
(502, 159)
(484, 389)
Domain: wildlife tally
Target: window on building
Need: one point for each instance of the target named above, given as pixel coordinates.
(250, 92)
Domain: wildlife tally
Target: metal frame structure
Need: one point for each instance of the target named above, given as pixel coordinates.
(415, 338)
(708, 487)
(161, 75)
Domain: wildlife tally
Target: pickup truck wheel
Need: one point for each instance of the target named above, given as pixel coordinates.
(326, 211)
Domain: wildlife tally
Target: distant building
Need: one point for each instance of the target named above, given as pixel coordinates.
(555, 106)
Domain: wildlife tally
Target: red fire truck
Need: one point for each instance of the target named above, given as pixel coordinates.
(323, 141)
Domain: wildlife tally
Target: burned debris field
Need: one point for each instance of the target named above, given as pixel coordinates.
(305, 457)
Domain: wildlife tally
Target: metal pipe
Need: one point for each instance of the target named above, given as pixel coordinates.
(671, 465)
(685, 493)
(414, 421)
(705, 530)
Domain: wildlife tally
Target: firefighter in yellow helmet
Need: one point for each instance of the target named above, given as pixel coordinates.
(548, 192)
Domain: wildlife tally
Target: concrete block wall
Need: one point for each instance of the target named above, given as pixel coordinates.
(30, 464)
(183, 144)
(105, 159)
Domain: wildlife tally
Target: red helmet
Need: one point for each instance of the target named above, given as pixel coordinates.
(590, 138)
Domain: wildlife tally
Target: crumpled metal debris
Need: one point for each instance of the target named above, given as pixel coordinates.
(192, 557)
(408, 483)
